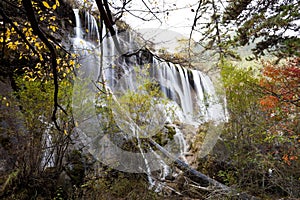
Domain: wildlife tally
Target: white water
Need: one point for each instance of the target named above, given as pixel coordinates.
(48, 157)
(199, 103)
(78, 29)
(179, 139)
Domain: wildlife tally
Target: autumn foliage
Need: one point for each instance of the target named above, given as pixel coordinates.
(281, 102)
(281, 83)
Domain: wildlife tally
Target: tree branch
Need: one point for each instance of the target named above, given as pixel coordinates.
(27, 4)
(6, 18)
(107, 18)
(193, 28)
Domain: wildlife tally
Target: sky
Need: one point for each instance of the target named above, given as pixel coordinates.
(168, 27)
(179, 18)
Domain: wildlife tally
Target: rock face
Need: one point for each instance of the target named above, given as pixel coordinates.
(11, 131)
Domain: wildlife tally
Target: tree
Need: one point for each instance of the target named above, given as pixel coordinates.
(271, 24)
(281, 102)
(261, 135)
(31, 34)
(40, 69)
(214, 35)
(281, 83)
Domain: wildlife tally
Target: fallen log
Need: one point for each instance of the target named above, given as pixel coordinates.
(199, 177)
(190, 172)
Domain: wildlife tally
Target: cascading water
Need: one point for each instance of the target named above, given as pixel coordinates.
(192, 90)
(78, 31)
(48, 158)
(190, 93)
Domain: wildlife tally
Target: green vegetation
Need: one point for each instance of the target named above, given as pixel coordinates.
(251, 155)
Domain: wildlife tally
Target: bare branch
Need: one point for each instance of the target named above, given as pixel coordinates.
(193, 27)
(151, 11)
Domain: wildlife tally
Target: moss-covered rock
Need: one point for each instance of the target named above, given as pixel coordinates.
(166, 135)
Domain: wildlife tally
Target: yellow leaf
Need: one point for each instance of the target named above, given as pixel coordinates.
(46, 4)
(53, 18)
(54, 6)
(53, 28)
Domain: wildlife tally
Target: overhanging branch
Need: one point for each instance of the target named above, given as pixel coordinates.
(27, 4)
(105, 15)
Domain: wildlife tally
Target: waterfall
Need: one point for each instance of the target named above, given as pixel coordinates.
(179, 139)
(188, 97)
(92, 28)
(78, 30)
(48, 157)
(192, 90)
